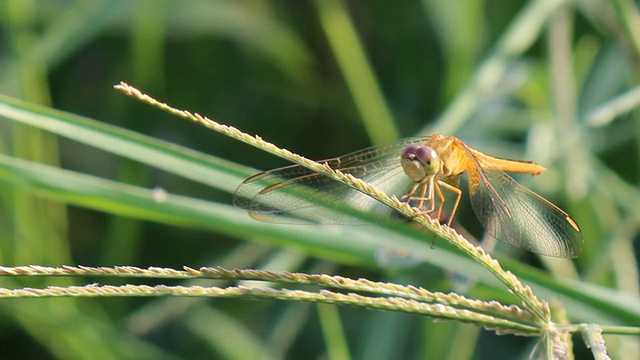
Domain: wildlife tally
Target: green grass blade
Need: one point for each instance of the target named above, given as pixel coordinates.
(173, 158)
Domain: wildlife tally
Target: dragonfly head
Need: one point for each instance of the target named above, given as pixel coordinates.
(419, 162)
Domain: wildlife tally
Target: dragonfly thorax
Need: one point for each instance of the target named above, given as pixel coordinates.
(420, 162)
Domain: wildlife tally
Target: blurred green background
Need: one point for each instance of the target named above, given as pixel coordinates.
(521, 79)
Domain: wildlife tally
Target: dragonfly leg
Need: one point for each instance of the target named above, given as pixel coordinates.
(440, 200)
(455, 205)
(407, 196)
(426, 194)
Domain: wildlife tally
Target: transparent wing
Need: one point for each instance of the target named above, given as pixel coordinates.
(295, 194)
(510, 212)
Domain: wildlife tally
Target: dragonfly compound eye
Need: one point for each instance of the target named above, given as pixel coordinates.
(426, 154)
(409, 152)
(419, 161)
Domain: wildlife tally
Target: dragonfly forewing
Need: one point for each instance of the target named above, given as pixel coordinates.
(294, 194)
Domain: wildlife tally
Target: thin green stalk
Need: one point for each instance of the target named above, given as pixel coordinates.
(358, 72)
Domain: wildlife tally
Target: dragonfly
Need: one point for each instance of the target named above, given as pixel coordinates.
(419, 171)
